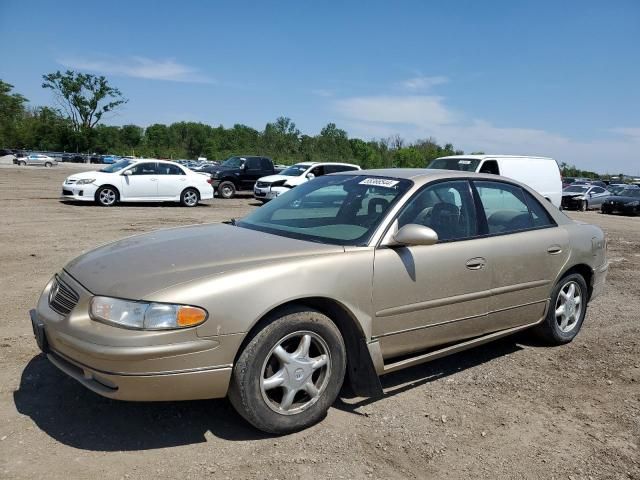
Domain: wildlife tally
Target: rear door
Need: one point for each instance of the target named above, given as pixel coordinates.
(528, 250)
(171, 181)
(142, 184)
(425, 296)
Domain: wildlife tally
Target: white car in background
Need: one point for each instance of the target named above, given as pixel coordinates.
(138, 180)
(37, 159)
(267, 188)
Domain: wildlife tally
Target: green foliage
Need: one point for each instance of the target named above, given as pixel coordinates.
(571, 171)
(86, 98)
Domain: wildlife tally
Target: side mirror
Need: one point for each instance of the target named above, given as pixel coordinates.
(243, 166)
(127, 172)
(310, 176)
(414, 234)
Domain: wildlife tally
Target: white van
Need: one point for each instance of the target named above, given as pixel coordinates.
(540, 173)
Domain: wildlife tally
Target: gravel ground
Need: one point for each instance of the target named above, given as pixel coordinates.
(511, 409)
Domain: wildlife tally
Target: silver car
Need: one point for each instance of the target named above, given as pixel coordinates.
(347, 277)
(38, 159)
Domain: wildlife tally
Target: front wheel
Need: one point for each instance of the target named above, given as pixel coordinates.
(566, 311)
(227, 190)
(584, 206)
(107, 196)
(189, 198)
(289, 373)
(48, 165)
(22, 163)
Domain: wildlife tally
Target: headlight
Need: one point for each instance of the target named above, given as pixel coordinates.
(85, 181)
(142, 315)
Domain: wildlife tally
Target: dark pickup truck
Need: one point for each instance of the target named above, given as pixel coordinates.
(240, 173)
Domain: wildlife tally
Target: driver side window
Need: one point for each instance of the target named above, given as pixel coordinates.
(144, 169)
(446, 207)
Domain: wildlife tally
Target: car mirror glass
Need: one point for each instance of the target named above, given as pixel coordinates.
(127, 172)
(310, 176)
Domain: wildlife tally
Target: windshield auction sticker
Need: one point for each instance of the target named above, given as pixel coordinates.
(380, 182)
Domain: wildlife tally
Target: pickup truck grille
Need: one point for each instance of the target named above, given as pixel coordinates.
(62, 298)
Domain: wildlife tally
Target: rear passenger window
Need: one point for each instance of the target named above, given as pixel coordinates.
(508, 208)
(166, 169)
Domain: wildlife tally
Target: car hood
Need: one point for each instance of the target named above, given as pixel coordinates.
(274, 178)
(90, 174)
(137, 266)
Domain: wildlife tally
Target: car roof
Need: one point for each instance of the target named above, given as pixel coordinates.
(484, 157)
(424, 175)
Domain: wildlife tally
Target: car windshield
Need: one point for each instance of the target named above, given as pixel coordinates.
(294, 170)
(336, 209)
(576, 189)
(463, 164)
(116, 167)
(233, 162)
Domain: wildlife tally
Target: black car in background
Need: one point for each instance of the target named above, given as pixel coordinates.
(626, 202)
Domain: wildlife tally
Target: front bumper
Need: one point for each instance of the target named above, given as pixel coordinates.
(129, 364)
(81, 193)
(571, 203)
(269, 193)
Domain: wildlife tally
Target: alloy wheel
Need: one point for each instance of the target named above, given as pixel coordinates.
(568, 306)
(295, 373)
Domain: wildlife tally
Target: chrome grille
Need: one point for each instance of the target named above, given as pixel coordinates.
(62, 298)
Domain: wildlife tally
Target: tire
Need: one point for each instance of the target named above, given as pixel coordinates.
(289, 403)
(552, 329)
(605, 210)
(107, 196)
(226, 190)
(22, 163)
(189, 197)
(584, 206)
(48, 165)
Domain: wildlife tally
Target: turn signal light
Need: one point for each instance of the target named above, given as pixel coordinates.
(190, 316)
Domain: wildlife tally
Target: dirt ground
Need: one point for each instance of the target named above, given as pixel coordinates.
(511, 409)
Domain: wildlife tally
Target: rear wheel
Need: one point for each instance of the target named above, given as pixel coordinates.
(227, 190)
(290, 372)
(566, 311)
(189, 198)
(107, 196)
(22, 163)
(48, 165)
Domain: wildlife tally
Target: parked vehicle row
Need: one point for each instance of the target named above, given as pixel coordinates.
(138, 180)
(240, 173)
(344, 278)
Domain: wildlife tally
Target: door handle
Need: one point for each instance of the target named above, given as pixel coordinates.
(554, 250)
(476, 263)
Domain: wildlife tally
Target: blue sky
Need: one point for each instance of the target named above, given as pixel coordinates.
(557, 78)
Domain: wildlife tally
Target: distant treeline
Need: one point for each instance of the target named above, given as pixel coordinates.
(45, 128)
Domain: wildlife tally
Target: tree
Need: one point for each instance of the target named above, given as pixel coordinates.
(12, 110)
(85, 98)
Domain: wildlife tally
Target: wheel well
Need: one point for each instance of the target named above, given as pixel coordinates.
(106, 185)
(191, 188)
(585, 271)
(230, 179)
(361, 372)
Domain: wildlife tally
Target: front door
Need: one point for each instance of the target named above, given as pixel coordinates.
(142, 183)
(431, 295)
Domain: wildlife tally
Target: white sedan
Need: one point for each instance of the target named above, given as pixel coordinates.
(138, 180)
(268, 188)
